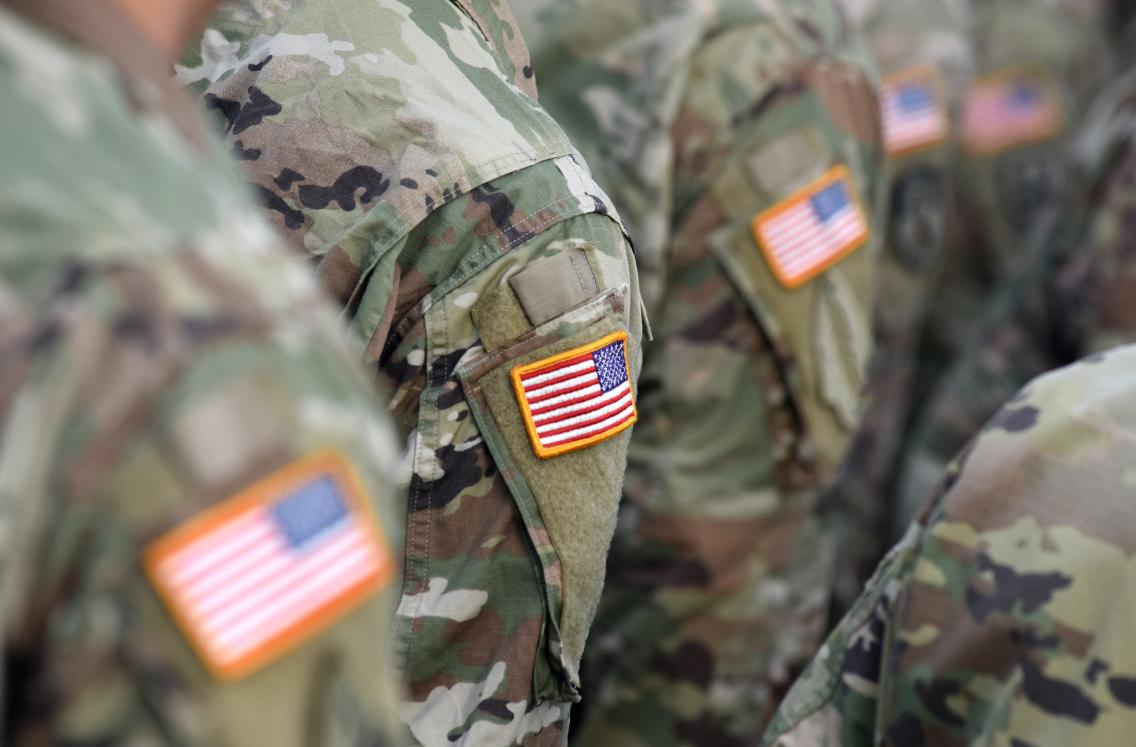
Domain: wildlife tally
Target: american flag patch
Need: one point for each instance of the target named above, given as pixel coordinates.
(1007, 110)
(813, 229)
(264, 570)
(577, 398)
(914, 116)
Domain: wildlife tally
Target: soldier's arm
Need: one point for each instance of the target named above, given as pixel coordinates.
(203, 535)
(1002, 620)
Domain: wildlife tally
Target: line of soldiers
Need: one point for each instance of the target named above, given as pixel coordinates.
(484, 414)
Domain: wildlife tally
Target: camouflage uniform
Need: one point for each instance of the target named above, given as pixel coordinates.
(925, 61)
(703, 119)
(1005, 616)
(158, 352)
(1054, 46)
(400, 145)
(1071, 299)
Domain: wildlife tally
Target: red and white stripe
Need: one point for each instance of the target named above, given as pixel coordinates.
(904, 130)
(567, 404)
(993, 120)
(799, 242)
(241, 585)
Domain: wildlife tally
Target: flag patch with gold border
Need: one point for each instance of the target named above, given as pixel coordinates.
(812, 229)
(577, 398)
(1010, 109)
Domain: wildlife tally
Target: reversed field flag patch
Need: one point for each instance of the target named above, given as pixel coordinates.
(1011, 109)
(813, 229)
(914, 113)
(268, 568)
(577, 398)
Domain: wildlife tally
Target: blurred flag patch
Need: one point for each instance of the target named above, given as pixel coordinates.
(1011, 109)
(813, 229)
(271, 566)
(914, 116)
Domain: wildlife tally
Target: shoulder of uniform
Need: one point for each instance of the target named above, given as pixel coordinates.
(1065, 431)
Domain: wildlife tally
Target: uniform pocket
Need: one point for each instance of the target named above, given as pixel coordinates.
(555, 405)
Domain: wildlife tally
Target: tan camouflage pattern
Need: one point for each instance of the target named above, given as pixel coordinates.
(1004, 617)
(696, 117)
(158, 352)
(398, 144)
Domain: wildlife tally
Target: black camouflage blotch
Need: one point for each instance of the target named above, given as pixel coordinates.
(1029, 590)
(72, 278)
(287, 177)
(1020, 743)
(44, 336)
(293, 218)
(599, 207)
(429, 204)
(1123, 689)
(863, 658)
(138, 327)
(227, 108)
(691, 663)
(431, 172)
(442, 367)
(258, 107)
(1017, 419)
(905, 730)
(527, 71)
(450, 396)
(703, 732)
(202, 329)
(1096, 668)
(1031, 639)
(1056, 697)
(496, 707)
(934, 696)
(501, 211)
(256, 67)
(242, 154)
(462, 469)
(408, 182)
(342, 192)
(450, 194)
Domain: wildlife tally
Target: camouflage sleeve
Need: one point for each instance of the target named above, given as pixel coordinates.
(1004, 620)
(495, 291)
(515, 486)
(201, 530)
(751, 388)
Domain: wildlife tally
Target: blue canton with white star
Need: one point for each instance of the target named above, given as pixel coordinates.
(914, 98)
(829, 201)
(309, 511)
(611, 365)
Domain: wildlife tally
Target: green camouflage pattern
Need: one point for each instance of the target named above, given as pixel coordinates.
(904, 38)
(159, 351)
(696, 117)
(399, 146)
(1070, 300)
(1004, 616)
